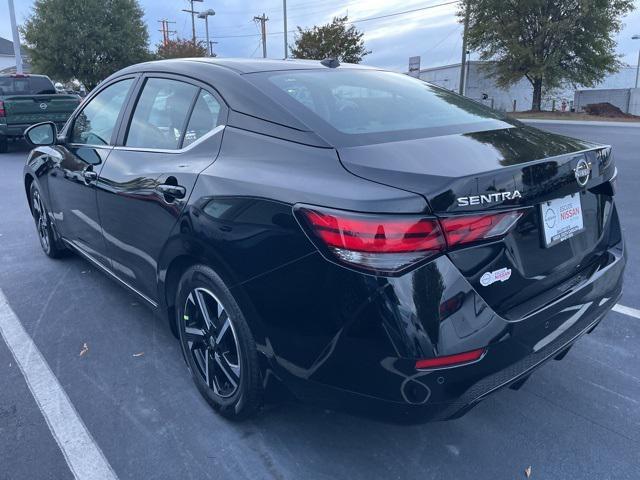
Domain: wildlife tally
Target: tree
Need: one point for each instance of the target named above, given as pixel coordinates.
(548, 42)
(333, 40)
(85, 39)
(181, 48)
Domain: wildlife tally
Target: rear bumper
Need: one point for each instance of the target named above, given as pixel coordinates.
(449, 393)
(350, 341)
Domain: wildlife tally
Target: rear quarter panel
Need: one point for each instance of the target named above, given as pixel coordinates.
(239, 218)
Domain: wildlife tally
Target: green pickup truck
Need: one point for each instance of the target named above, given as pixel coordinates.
(29, 99)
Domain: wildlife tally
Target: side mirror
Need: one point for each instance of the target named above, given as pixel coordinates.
(41, 134)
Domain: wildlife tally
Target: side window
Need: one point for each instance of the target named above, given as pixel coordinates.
(95, 123)
(161, 114)
(204, 118)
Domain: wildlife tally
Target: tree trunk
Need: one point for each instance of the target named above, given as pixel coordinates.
(537, 94)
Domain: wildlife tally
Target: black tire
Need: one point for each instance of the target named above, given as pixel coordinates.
(51, 245)
(221, 354)
(4, 144)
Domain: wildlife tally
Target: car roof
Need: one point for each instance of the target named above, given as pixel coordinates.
(245, 65)
(225, 75)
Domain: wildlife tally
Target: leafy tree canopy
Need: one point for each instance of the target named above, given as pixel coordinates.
(548, 42)
(333, 40)
(85, 39)
(181, 48)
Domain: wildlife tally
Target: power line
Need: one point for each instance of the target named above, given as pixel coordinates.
(305, 5)
(402, 13)
(442, 40)
(360, 20)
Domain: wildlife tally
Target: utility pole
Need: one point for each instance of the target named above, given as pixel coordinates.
(463, 63)
(263, 28)
(16, 38)
(193, 19)
(286, 47)
(637, 37)
(211, 44)
(164, 29)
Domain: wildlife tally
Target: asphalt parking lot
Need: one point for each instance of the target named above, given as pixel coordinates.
(575, 419)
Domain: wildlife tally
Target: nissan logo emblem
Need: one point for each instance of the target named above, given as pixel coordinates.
(43, 106)
(582, 172)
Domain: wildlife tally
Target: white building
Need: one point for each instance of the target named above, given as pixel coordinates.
(480, 83)
(8, 58)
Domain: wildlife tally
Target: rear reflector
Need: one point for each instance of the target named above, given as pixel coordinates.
(390, 243)
(451, 360)
(2, 111)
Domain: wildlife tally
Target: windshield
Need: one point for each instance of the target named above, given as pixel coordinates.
(369, 103)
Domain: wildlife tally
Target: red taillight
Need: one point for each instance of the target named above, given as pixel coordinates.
(392, 235)
(472, 228)
(390, 243)
(2, 112)
(451, 360)
(375, 242)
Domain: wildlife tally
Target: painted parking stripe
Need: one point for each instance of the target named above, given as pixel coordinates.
(83, 455)
(632, 312)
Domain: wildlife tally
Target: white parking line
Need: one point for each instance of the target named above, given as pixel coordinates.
(83, 455)
(632, 312)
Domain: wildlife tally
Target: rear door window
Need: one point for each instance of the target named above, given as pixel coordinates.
(14, 86)
(204, 118)
(41, 86)
(160, 116)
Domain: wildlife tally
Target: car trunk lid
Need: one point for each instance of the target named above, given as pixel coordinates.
(510, 168)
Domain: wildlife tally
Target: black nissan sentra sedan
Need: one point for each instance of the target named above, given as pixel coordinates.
(368, 240)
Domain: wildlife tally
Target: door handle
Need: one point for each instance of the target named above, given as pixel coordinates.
(89, 176)
(175, 191)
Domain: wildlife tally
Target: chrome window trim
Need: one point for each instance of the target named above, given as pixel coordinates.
(89, 145)
(206, 136)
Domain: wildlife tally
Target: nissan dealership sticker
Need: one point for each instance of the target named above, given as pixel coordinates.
(501, 275)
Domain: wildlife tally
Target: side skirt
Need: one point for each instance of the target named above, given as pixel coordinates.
(109, 272)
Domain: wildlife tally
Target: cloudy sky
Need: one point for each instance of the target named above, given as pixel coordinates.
(432, 33)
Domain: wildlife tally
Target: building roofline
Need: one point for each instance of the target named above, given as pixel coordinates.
(453, 65)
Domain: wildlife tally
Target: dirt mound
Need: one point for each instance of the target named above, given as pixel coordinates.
(605, 109)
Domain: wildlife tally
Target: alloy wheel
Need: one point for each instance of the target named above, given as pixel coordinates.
(212, 342)
(40, 216)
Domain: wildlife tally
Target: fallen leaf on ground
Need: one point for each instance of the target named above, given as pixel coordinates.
(85, 349)
(138, 354)
(527, 471)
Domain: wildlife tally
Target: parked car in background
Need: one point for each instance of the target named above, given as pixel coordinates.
(29, 99)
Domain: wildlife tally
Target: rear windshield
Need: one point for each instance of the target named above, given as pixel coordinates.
(362, 106)
(26, 86)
